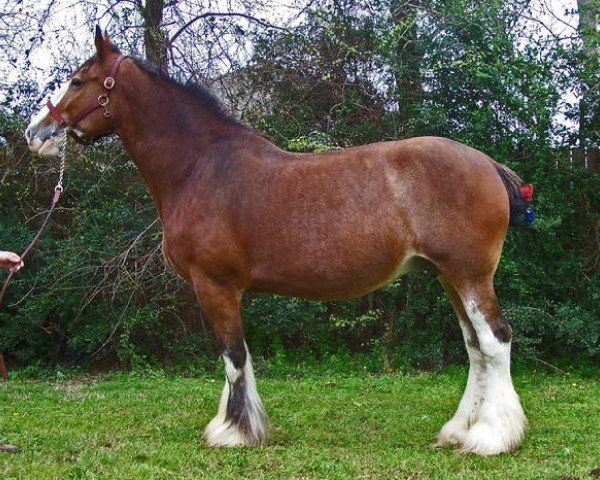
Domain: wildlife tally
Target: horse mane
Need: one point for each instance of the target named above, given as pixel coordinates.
(200, 93)
(197, 91)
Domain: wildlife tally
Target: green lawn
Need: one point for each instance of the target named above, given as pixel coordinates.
(130, 426)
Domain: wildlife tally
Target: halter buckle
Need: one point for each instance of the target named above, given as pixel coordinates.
(109, 83)
(103, 100)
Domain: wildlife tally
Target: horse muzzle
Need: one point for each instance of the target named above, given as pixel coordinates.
(47, 148)
(42, 138)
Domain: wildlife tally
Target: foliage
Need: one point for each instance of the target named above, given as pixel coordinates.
(321, 76)
(347, 73)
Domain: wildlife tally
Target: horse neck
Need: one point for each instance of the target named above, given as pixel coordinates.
(165, 130)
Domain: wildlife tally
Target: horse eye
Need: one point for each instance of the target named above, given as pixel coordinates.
(76, 82)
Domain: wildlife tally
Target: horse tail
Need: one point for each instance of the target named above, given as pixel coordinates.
(520, 196)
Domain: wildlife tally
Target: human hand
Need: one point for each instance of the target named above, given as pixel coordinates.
(10, 260)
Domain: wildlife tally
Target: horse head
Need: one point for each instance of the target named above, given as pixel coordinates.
(81, 107)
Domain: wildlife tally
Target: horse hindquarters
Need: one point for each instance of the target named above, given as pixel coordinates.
(241, 419)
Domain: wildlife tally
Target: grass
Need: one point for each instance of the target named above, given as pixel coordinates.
(128, 426)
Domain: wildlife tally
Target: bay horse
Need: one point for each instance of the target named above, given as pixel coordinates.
(240, 214)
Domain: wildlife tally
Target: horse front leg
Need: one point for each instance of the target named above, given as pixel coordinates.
(241, 419)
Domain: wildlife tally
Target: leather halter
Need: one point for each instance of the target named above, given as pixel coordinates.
(102, 102)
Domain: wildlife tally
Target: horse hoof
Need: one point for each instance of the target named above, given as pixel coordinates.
(4, 447)
(453, 432)
(219, 433)
(484, 440)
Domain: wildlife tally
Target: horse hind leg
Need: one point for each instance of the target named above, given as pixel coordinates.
(499, 422)
(454, 432)
(241, 418)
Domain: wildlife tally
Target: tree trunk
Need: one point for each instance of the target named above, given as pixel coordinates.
(589, 115)
(3, 371)
(155, 41)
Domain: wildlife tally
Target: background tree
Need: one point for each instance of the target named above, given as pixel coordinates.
(155, 41)
(589, 104)
(404, 49)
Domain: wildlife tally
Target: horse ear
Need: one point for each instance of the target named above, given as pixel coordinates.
(99, 41)
(103, 43)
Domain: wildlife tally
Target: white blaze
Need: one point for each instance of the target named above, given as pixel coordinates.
(42, 127)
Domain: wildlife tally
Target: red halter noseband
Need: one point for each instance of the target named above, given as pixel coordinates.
(101, 102)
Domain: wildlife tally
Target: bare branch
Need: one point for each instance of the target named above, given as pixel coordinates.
(224, 14)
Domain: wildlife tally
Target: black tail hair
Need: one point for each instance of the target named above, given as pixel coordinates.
(520, 209)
